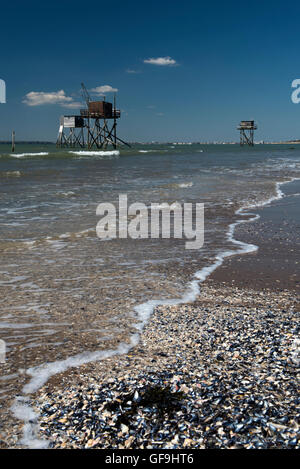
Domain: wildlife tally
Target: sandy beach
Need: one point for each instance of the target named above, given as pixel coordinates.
(113, 345)
(219, 373)
(149, 229)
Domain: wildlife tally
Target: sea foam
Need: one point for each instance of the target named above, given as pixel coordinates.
(21, 155)
(96, 153)
(41, 374)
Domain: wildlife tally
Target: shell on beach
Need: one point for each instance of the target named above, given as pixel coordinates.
(217, 376)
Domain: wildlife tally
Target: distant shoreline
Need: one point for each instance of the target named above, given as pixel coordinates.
(291, 142)
(23, 142)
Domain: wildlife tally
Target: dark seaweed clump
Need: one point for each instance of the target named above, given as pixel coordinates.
(152, 398)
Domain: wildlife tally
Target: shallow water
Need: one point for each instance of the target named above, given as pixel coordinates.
(62, 290)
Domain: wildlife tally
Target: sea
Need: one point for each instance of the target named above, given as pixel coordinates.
(68, 297)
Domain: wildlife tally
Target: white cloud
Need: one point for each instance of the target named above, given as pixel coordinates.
(103, 89)
(129, 70)
(39, 98)
(161, 61)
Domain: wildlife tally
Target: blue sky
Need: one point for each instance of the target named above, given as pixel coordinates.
(233, 61)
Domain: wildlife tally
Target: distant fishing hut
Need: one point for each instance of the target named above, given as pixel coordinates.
(246, 129)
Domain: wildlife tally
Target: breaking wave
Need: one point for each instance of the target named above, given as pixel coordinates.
(10, 173)
(22, 155)
(96, 153)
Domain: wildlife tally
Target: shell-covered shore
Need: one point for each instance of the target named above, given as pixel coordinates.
(220, 373)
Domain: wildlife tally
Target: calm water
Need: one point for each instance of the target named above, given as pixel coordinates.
(62, 290)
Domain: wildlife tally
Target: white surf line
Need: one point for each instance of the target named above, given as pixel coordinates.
(22, 408)
(96, 153)
(21, 155)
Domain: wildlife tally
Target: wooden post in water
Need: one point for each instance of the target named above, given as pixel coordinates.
(13, 141)
(115, 122)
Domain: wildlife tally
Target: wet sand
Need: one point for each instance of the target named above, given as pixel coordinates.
(276, 264)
